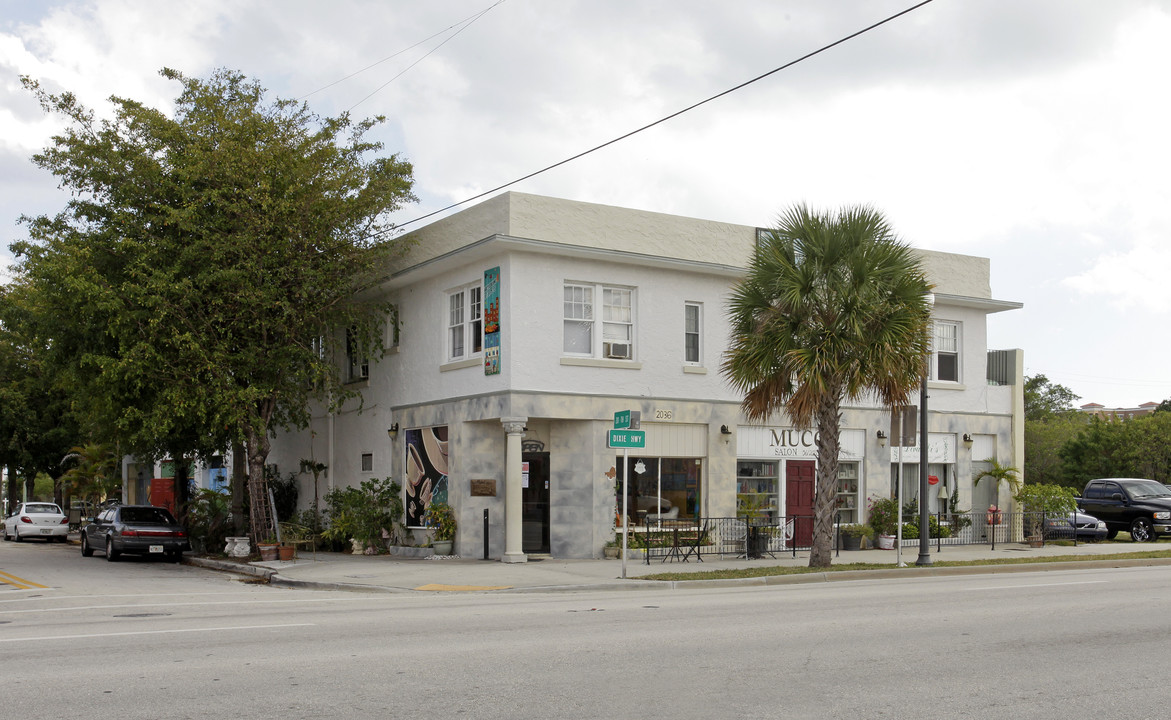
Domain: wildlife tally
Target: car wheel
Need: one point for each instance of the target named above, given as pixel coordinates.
(6, 538)
(16, 535)
(1140, 530)
(1111, 534)
(86, 550)
(175, 556)
(111, 554)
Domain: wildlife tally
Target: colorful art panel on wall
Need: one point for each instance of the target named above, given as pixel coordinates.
(492, 321)
(426, 464)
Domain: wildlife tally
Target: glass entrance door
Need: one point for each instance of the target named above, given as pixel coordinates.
(535, 502)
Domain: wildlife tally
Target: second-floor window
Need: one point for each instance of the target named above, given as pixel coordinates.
(614, 338)
(465, 325)
(692, 319)
(945, 352)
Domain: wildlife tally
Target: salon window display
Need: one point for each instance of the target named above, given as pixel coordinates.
(426, 469)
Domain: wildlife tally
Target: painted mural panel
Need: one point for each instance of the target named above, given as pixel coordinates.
(426, 464)
(492, 321)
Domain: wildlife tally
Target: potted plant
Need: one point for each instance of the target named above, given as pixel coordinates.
(269, 548)
(852, 535)
(883, 514)
(441, 519)
(613, 547)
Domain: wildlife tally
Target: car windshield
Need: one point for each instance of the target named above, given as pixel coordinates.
(1147, 488)
(146, 516)
(45, 508)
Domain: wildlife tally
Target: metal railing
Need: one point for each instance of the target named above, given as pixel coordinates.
(752, 538)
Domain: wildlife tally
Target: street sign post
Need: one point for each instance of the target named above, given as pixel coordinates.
(626, 435)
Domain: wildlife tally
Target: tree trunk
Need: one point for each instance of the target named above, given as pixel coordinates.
(239, 487)
(260, 516)
(182, 488)
(829, 423)
(13, 490)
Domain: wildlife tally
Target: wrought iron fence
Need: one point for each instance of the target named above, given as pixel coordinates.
(980, 528)
(693, 539)
(723, 536)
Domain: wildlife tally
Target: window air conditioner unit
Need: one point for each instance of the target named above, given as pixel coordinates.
(617, 350)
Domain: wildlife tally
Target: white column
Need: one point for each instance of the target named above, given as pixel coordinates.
(513, 528)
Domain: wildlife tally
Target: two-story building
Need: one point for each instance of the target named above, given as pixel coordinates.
(524, 323)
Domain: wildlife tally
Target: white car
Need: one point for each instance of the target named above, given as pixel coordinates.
(37, 519)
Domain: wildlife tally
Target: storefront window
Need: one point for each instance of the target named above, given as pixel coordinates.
(757, 484)
(660, 489)
(847, 497)
(910, 484)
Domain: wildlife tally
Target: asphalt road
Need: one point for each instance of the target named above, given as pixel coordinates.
(139, 639)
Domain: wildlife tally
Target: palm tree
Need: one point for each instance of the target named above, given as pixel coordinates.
(833, 308)
(94, 477)
(999, 474)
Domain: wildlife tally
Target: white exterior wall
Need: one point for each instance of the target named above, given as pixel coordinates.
(541, 243)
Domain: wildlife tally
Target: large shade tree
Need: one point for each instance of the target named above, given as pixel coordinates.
(199, 284)
(833, 308)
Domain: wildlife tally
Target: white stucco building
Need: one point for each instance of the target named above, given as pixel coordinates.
(524, 323)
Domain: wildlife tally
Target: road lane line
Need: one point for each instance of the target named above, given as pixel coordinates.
(152, 632)
(1037, 585)
(179, 604)
(10, 579)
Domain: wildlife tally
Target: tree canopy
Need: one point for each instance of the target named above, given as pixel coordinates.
(1045, 399)
(833, 307)
(196, 288)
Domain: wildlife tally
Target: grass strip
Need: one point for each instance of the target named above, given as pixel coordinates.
(753, 572)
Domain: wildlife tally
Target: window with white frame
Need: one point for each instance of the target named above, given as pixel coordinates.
(465, 326)
(692, 323)
(616, 336)
(945, 352)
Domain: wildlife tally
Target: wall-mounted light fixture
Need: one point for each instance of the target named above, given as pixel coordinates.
(968, 440)
(724, 430)
(392, 430)
(881, 437)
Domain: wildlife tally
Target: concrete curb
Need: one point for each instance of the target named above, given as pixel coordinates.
(273, 577)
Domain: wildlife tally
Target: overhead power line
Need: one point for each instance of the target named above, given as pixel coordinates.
(664, 119)
(465, 23)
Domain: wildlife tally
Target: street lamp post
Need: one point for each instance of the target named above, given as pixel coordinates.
(924, 526)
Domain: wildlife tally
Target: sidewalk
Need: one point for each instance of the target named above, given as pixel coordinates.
(382, 573)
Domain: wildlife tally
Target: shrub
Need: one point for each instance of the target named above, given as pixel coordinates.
(883, 514)
(441, 518)
(363, 513)
(857, 530)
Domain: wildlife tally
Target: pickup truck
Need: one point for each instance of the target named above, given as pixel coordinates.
(1140, 507)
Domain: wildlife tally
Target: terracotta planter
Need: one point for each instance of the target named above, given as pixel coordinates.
(286, 552)
(268, 552)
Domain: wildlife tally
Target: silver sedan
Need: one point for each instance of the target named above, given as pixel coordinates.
(37, 520)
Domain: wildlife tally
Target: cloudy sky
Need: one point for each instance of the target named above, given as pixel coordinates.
(1032, 132)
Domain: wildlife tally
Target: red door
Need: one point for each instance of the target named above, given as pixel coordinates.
(799, 482)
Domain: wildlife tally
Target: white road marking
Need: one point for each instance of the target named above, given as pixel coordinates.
(152, 632)
(179, 604)
(1037, 585)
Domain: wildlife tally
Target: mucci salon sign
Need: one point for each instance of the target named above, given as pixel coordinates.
(761, 442)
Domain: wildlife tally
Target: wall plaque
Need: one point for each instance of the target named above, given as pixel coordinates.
(483, 487)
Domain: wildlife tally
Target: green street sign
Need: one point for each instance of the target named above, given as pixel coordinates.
(621, 420)
(627, 438)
